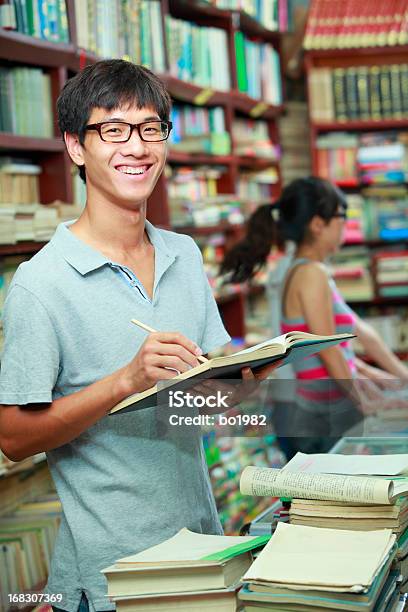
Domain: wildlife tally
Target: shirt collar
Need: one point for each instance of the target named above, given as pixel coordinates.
(85, 259)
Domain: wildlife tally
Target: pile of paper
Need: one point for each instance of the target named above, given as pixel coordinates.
(322, 568)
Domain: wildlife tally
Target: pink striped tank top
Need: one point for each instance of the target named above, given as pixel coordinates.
(312, 368)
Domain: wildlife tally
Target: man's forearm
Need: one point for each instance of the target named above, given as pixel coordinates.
(27, 431)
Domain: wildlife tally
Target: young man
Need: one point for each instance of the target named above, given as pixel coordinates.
(71, 352)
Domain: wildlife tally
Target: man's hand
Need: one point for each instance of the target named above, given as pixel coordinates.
(161, 356)
(236, 392)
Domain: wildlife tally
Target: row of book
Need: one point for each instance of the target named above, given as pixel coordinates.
(195, 197)
(392, 329)
(199, 130)
(251, 138)
(341, 25)
(33, 222)
(122, 28)
(258, 70)
(198, 54)
(19, 181)
(25, 102)
(273, 15)
(377, 214)
(350, 159)
(359, 93)
(46, 20)
(27, 540)
(391, 274)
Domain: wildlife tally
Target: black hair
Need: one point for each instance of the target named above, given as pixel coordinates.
(286, 219)
(109, 84)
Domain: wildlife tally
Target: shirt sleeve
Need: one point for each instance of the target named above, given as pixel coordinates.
(214, 333)
(31, 356)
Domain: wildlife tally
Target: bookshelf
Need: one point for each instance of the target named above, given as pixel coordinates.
(60, 60)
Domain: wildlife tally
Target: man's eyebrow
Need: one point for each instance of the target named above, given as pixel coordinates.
(114, 119)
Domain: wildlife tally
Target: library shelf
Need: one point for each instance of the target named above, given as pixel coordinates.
(255, 163)
(194, 94)
(18, 47)
(21, 248)
(179, 157)
(363, 52)
(257, 109)
(349, 126)
(15, 142)
(206, 230)
(378, 243)
(380, 301)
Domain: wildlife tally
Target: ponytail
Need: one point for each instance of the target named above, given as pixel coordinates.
(246, 257)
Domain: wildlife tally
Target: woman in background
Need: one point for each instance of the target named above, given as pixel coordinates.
(311, 213)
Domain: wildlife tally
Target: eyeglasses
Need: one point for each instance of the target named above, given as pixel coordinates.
(119, 131)
(340, 215)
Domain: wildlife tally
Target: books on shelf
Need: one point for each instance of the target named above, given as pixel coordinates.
(46, 20)
(351, 270)
(197, 54)
(391, 272)
(255, 187)
(358, 93)
(258, 70)
(345, 571)
(285, 349)
(337, 157)
(332, 26)
(199, 130)
(188, 563)
(122, 28)
(294, 136)
(19, 181)
(251, 138)
(272, 14)
(25, 101)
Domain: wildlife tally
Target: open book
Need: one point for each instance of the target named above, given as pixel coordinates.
(330, 487)
(286, 348)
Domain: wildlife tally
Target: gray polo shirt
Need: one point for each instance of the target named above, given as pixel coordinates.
(125, 483)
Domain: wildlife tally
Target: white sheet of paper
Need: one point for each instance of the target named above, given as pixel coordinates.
(372, 465)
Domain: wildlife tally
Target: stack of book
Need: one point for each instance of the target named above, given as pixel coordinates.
(358, 93)
(391, 271)
(385, 212)
(122, 28)
(258, 70)
(382, 158)
(354, 230)
(33, 222)
(332, 26)
(26, 107)
(308, 568)
(251, 138)
(350, 269)
(190, 571)
(255, 187)
(47, 20)
(19, 181)
(27, 538)
(294, 132)
(199, 130)
(337, 158)
(198, 54)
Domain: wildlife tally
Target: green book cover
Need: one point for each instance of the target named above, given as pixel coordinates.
(242, 77)
(238, 549)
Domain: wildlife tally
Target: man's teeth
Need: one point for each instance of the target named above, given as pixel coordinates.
(131, 170)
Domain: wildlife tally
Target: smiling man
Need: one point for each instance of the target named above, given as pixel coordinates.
(71, 352)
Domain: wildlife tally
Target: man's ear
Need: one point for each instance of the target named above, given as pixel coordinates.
(74, 148)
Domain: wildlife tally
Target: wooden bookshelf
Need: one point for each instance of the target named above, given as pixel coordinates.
(348, 58)
(61, 60)
(21, 248)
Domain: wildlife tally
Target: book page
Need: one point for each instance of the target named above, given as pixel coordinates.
(335, 559)
(187, 546)
(381, 465)
(283, 483)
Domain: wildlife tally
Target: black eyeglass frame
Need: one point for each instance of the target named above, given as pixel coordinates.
(133, 126)
(340, 215)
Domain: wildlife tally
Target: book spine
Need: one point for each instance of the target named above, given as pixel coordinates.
(396, 97)
(340, 104)
(385, 92)
(363, 93)
(374, 90)
(351, 94)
